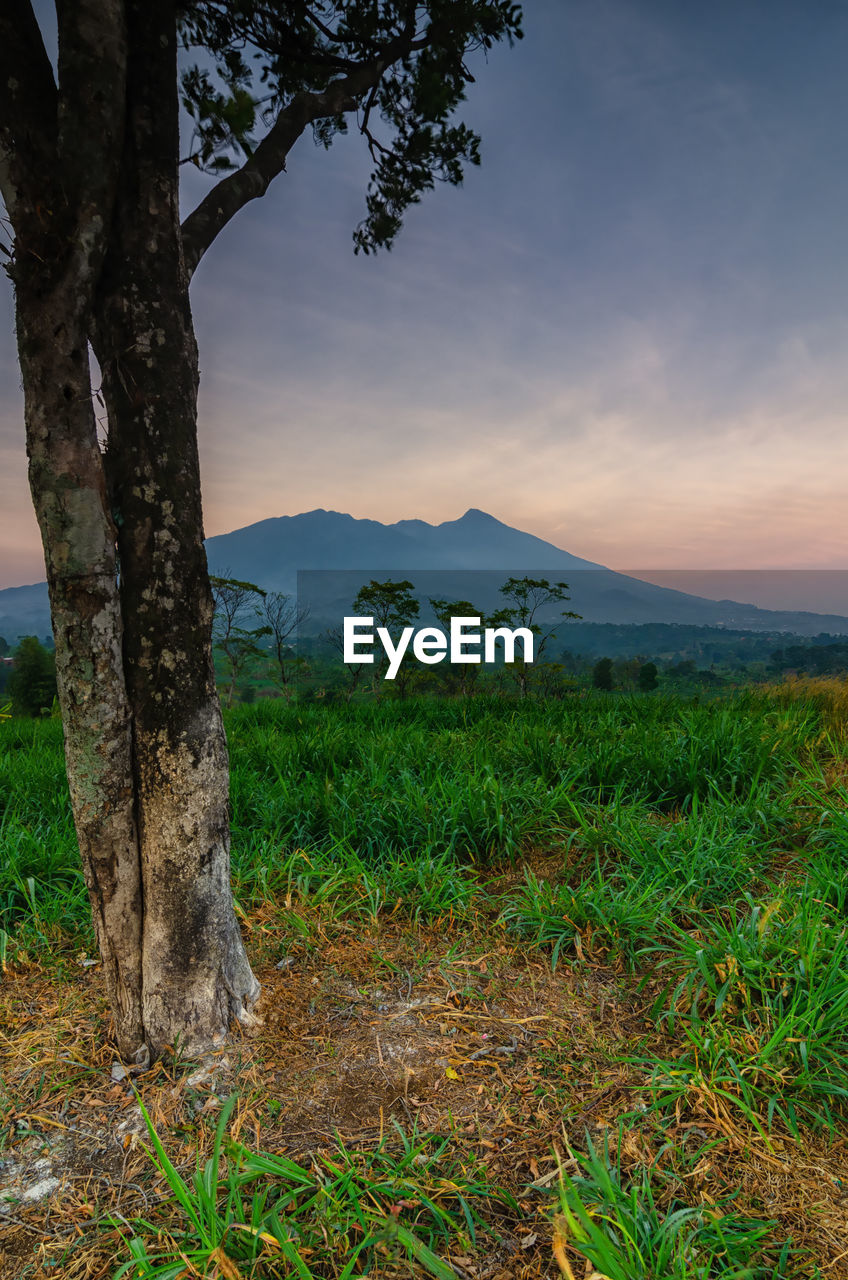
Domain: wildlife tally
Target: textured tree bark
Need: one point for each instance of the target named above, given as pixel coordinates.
(59, 246)
(195, 974)
(66, 478)
(98, 257)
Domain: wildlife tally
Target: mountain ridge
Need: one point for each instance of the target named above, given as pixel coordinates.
(269, 552)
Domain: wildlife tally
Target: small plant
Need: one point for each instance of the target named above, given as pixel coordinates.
(623, 1230)
(618, 913)
(263, 1210)
(768, 987)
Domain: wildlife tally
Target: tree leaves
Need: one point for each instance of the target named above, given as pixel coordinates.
(266, 53)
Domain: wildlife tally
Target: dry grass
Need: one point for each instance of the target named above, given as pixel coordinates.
(828, 693)
(447, 1030)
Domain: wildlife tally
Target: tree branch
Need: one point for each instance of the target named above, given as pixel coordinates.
(60, 148)
(254, 177)
(322, 27)
(28, 112)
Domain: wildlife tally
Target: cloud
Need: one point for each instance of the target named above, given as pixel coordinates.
(626, 334)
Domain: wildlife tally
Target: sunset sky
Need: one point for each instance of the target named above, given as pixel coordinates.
(627, 333)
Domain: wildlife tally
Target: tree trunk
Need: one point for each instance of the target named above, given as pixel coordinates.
(66, 478)
(195, 974)
(130, 598)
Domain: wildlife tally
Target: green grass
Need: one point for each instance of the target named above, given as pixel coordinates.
(698, 849)
(774, 976)
(620, 1228)
(413, 790)
(405, 1197)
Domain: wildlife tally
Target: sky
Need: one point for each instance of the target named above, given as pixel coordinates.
(627, 333)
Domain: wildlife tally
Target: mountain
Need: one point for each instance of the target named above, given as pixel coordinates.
(24, 611)
(439, 557)
(271, 552)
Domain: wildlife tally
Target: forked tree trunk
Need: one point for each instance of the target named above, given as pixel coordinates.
(144, 739)
(66, 477)
(88, 174)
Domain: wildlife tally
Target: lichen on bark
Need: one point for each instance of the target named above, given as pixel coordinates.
(98, 260)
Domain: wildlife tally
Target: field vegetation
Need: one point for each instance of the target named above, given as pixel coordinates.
(551, 988)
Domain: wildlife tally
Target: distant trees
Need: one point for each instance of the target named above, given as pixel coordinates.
(625, 673)
(5, 668)
(628, 666)
(32, 683)
(686, 673)
(253, 626)
(392, 605)
(281, 617)
(813, 659)
(537, 605)
(681, 659)
(356, 671)
(553, 680)
(465, 673)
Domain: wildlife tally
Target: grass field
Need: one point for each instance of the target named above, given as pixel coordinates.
(552, 989)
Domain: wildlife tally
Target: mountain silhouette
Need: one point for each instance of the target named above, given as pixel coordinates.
(271, 552)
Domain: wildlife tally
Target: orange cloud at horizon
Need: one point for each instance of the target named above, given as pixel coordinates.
(609, 488)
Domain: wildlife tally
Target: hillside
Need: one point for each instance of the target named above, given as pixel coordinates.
(440, 559)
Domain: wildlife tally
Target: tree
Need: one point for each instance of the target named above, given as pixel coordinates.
(465, 673)
(602, 674)
(334, 637)
(392, 606)
(89, 164)
(235, 603)
(32, 684)
(648, 677)
(626, 673)
(525, 597)
(282, 617)
(552, 679)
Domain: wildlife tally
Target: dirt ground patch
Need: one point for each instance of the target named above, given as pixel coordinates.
(442, 1031)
